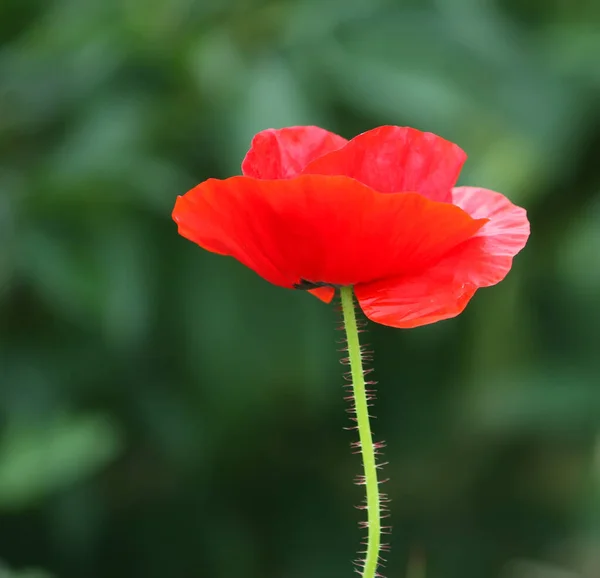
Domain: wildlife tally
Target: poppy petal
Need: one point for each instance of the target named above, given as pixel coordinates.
(443, 291)
(325, 294)
(393, 159)
(499, 240)
(283, 153)
(414, 300)
(320, 229)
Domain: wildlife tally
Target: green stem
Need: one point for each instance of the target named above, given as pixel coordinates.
(364, 432)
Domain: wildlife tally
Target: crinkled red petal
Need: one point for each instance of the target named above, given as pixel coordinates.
(314, 228)
(283, 153)
(394, 159)
(443, 290)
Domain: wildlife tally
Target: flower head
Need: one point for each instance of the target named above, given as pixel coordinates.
(380, 212)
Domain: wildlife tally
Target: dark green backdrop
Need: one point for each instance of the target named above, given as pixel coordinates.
(166, 413)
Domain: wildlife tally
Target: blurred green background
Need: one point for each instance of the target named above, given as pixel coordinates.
(166, 413)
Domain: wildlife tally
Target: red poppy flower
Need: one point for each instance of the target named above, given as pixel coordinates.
(379, 212)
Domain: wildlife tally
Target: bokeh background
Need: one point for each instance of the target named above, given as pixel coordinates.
(166, 413)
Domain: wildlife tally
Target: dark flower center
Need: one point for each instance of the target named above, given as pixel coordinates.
(305, 285)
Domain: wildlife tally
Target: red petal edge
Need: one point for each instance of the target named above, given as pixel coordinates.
(443, 291)
(325, 294)
(283, 153)
(393, 159)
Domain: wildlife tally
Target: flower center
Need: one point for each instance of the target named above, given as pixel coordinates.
(305, 285)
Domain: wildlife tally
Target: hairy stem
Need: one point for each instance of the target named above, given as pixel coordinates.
(364, 432)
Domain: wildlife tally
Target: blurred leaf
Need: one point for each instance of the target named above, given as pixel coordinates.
(41, 458)
(579, 250)
(27, 573)
(537, 569)
(272, 98)
(545, 401)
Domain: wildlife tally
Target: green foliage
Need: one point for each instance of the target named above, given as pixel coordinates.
(38, 459)
(164, 412)
(6, 572)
